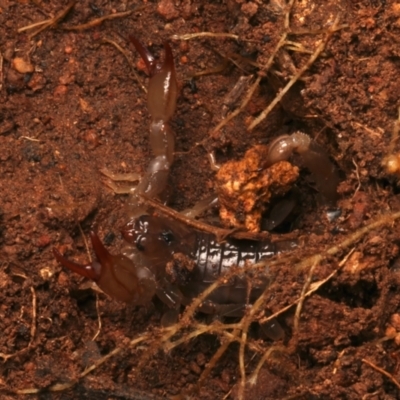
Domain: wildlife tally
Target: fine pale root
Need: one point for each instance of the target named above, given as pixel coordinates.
(307, 284)
(52, 22)
(6, 357)
(220, 233)
(89, 255)
(130, 62)
(391, 162)
(1, 71)
(382, 371)
(190, 36)
(98, 21)
(98, 319)
(187, 328)
(320, 48)
(49, 23)
(264, 69)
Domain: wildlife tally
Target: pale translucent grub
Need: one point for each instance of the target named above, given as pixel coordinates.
(245, 187)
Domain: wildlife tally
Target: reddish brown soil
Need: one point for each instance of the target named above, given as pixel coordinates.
(80, 110)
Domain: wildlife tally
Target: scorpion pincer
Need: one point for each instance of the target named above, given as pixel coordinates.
(165, 258)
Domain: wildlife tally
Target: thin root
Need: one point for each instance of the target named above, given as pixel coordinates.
(50, 23)
(190, 36)
(124, 52)
(220, 233)
(1, 71)
(307, 284)
(296, 77)
(6, 357)
(253, 378)
(217, 355)
(264, 69)
(358, 178)
(382, 371)
(391, 162)
(302, 297)
(98, 21)
(98, 319)
(86, 242)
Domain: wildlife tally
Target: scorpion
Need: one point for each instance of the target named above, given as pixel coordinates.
(166, 258)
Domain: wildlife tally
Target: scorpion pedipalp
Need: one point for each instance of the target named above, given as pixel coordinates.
(88, 271)
(145, 54)
(116, 275)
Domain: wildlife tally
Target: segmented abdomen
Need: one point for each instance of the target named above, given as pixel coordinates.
(214, 259)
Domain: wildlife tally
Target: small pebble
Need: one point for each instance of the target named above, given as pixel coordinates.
(63, 316)
(395, 321)
(195, 368)
(249, 9)
(91, 138)
(46, 273)
(184, 47)
(43, 241)
(63, 279)
(60, 90)
(37, 82)
(167, 10)
(200, 359)
(141, 66)
(22, 66)
(185, 371)
(225, 376)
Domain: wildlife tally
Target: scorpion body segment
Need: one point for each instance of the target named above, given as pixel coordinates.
(207, 260)
(214, 259)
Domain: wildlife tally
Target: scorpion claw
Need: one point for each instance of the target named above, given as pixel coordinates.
(144, 52)
(106, 259)
(90, 271)
(95, 270)
(116, 275)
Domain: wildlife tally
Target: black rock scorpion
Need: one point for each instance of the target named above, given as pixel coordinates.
(157, 244)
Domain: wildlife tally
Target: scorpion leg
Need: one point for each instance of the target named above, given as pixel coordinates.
(112, 178)
(171, 296)
(116, 275)
(271, 329)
